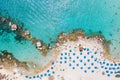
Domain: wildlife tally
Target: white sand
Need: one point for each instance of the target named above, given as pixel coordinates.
(65, 72)
(11, 75)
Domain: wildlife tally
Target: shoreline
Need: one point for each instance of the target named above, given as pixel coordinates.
(60, 40)
(57, 45)
(80, 44)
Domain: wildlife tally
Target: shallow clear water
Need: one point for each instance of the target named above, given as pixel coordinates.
(47, 18)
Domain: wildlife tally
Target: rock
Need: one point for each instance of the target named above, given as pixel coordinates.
(3, 19)
(38, 44)
(50, 47)
(72, 37)
(2, 59)
(26, 32)
(13, 27)
(9, 56)
(10, 24)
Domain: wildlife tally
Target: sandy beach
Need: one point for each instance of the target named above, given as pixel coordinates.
(79, 60)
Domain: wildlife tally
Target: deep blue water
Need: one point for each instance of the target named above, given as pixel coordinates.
(47, 18)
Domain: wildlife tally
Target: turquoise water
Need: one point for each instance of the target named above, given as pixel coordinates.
(47, 18)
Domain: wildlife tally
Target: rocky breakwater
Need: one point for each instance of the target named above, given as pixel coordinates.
(23, 34)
